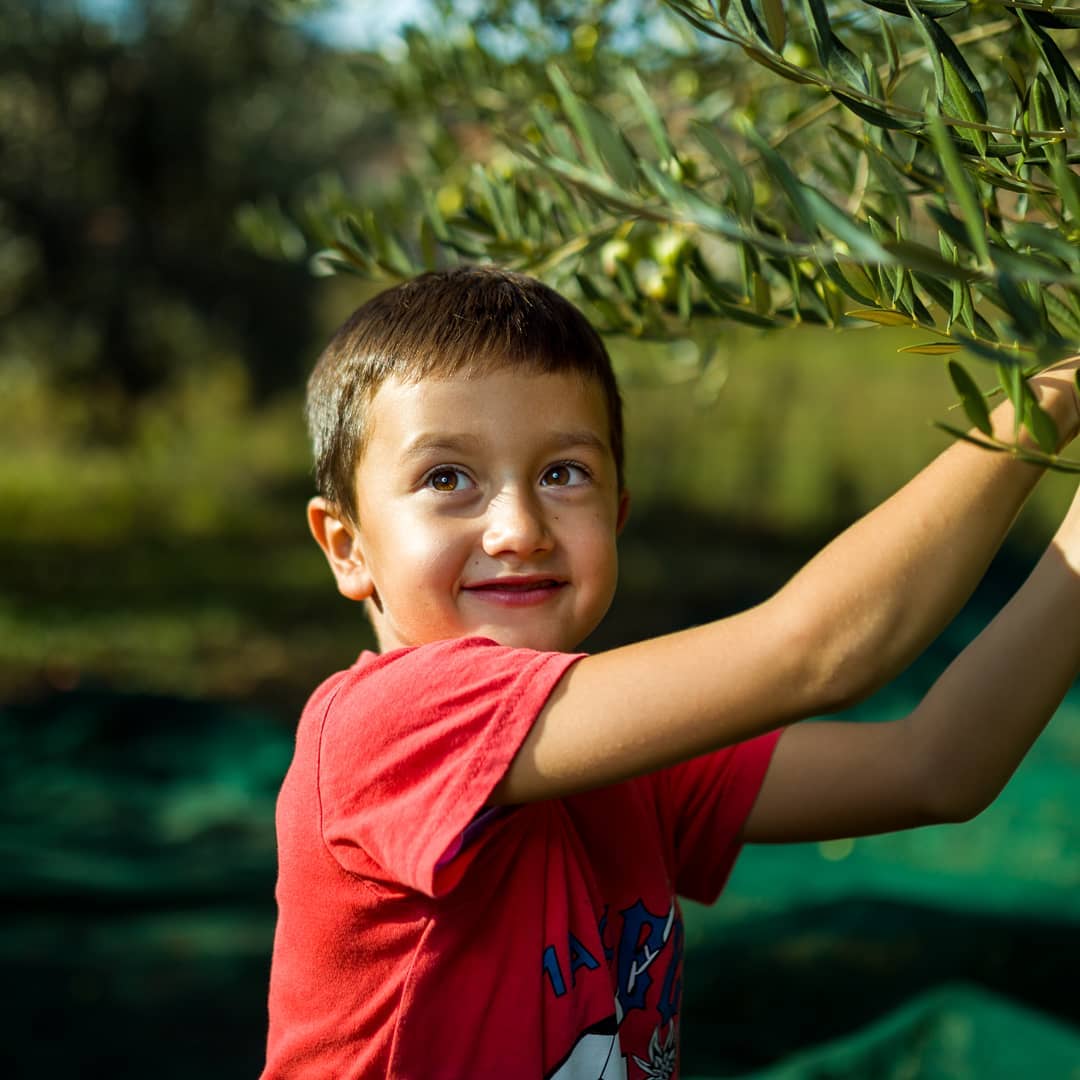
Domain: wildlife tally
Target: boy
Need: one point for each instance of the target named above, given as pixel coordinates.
(483, 834)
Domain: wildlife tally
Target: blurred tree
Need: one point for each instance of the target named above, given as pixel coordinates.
(905, 162)
(126, 147)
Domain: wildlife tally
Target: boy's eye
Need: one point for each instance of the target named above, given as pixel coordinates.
(446, 479)
(564, 475)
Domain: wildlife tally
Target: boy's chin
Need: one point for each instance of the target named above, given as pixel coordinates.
(511, 637)
(540, 640)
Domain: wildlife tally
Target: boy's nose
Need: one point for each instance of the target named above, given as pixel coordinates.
(516, 525)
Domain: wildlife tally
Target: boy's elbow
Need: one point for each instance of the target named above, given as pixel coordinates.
(948, 794)
(968, 801)
(836, 673)
(953, 809)
(842, 691)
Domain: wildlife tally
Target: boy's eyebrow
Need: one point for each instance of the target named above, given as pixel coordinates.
(426, 444)
(423, 445)
(564, 440)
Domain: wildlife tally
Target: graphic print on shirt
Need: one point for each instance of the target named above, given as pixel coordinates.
(595, 1056)
(646, 961)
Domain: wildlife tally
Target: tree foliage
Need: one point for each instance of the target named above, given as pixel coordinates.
(126, 148)
(772, 162)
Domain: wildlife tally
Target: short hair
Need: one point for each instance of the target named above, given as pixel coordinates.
(471, 318)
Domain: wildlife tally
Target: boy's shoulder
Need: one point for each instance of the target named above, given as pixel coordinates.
(441, 664)
(397, 754)
(474, 679)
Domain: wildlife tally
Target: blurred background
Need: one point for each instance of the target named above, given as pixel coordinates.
(163, 613)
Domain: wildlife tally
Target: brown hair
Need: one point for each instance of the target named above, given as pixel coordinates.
(472, 318)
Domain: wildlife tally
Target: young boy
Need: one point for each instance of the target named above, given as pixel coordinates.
(483, 833)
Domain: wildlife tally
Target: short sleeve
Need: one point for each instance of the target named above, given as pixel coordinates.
(706, 802)
(412, 744)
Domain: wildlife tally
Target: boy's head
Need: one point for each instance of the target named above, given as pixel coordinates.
(470, 320)
(468, 441)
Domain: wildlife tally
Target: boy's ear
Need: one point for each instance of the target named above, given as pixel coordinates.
(341, 546)
(624, 511)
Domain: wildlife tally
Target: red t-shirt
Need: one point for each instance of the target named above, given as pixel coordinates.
(422, 936)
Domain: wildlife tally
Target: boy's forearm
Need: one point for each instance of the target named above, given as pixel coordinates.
(877, 595)
(983, 714)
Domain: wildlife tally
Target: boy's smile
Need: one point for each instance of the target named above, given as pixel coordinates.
(487, 504)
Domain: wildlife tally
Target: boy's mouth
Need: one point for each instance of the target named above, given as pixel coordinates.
(516, 591)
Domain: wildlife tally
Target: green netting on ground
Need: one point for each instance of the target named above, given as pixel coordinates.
(955, 1033)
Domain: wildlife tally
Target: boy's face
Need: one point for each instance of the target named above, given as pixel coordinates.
(487, 505)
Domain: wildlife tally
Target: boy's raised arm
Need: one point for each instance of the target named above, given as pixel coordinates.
(850, 620)
(950, 758)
